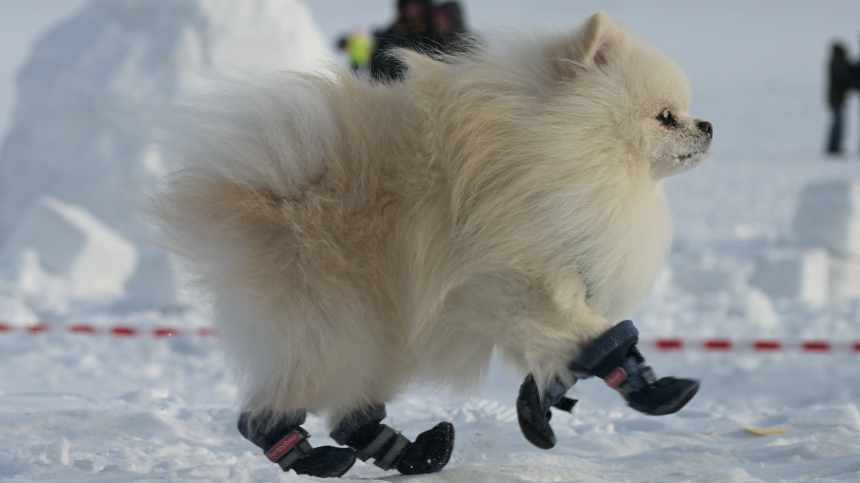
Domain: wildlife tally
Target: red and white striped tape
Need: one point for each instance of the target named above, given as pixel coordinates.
(120, 331)
(812, 346)
(661, 344)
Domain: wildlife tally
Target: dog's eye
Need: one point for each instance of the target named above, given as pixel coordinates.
(666, 118)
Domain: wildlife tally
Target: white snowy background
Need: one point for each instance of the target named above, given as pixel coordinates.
(757, 253)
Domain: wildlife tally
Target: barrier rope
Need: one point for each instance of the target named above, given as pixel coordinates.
(760, 345)
(769, 345)
(119, 331)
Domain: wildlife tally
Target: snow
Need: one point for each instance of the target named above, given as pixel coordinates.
(110, 62)
(828, 214)
(844, 278)
(81, 130)
(796, 274)
(155, 285)
(704, 278)
(71, 243)
(76, 407)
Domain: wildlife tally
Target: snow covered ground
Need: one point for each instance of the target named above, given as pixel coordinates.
(77, 407)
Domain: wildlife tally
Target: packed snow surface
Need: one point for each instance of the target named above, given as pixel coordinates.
(99, 408)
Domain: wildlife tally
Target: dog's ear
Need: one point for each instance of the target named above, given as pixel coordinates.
(597, 39)
(592, 46)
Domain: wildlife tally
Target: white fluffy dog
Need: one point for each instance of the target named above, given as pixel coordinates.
(357, 237)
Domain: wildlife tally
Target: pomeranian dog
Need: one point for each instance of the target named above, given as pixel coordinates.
(358, 237)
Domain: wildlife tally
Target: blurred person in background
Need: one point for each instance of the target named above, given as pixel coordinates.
(841, 76)
(413, 29)
(358, 48)
(450, 26)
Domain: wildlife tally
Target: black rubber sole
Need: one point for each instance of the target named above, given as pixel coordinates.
(430, 452)
(681, 403)
(669, 399)
(535, 436)
(534, 422)
(325, 462)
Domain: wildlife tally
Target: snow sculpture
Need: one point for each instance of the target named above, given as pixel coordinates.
(828, 215)
(78, 133)
(797, 274)
(75, 133)
(69, 242)
(154, 285)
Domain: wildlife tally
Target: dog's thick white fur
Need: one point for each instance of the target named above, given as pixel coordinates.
(357, 237)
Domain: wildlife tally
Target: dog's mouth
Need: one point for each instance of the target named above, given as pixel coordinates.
(691, 156)
(694, 158)
(691, 160)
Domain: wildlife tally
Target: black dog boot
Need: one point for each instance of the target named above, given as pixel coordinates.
(533, 410)
(389, 449)
(285, 443)
(614, 358)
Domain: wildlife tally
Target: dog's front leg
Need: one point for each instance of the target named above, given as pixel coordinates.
(613, 357)
(547, 351)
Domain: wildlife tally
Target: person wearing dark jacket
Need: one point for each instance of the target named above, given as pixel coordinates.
(450, 27)
(840, 81)
(413, 29)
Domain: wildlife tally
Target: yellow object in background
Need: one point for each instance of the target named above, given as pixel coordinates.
(359, 47)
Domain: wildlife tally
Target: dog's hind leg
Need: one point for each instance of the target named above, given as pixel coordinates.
(285, 443)
(362, 430)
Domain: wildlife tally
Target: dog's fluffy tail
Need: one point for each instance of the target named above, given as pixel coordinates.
(271, 134)
(237, 153)
(242, 157)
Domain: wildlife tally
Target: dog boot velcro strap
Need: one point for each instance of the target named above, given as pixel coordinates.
(606, 352)
(631, 374)
(614, 358)
(565, 404)
(389, 449)
(392, 452)
(384, 448)
(293, 452)
(285, 443)
(289, 449)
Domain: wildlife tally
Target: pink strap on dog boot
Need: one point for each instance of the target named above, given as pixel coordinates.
(286, 443)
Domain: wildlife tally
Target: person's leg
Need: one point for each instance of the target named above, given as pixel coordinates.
(834, 145)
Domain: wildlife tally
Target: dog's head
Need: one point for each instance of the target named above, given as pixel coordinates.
(634, 97)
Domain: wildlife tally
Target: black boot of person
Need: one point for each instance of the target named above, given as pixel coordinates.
(614, 358)
(429, 453)
(285, 443)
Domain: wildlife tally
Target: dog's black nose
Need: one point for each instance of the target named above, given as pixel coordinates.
(706, 128)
